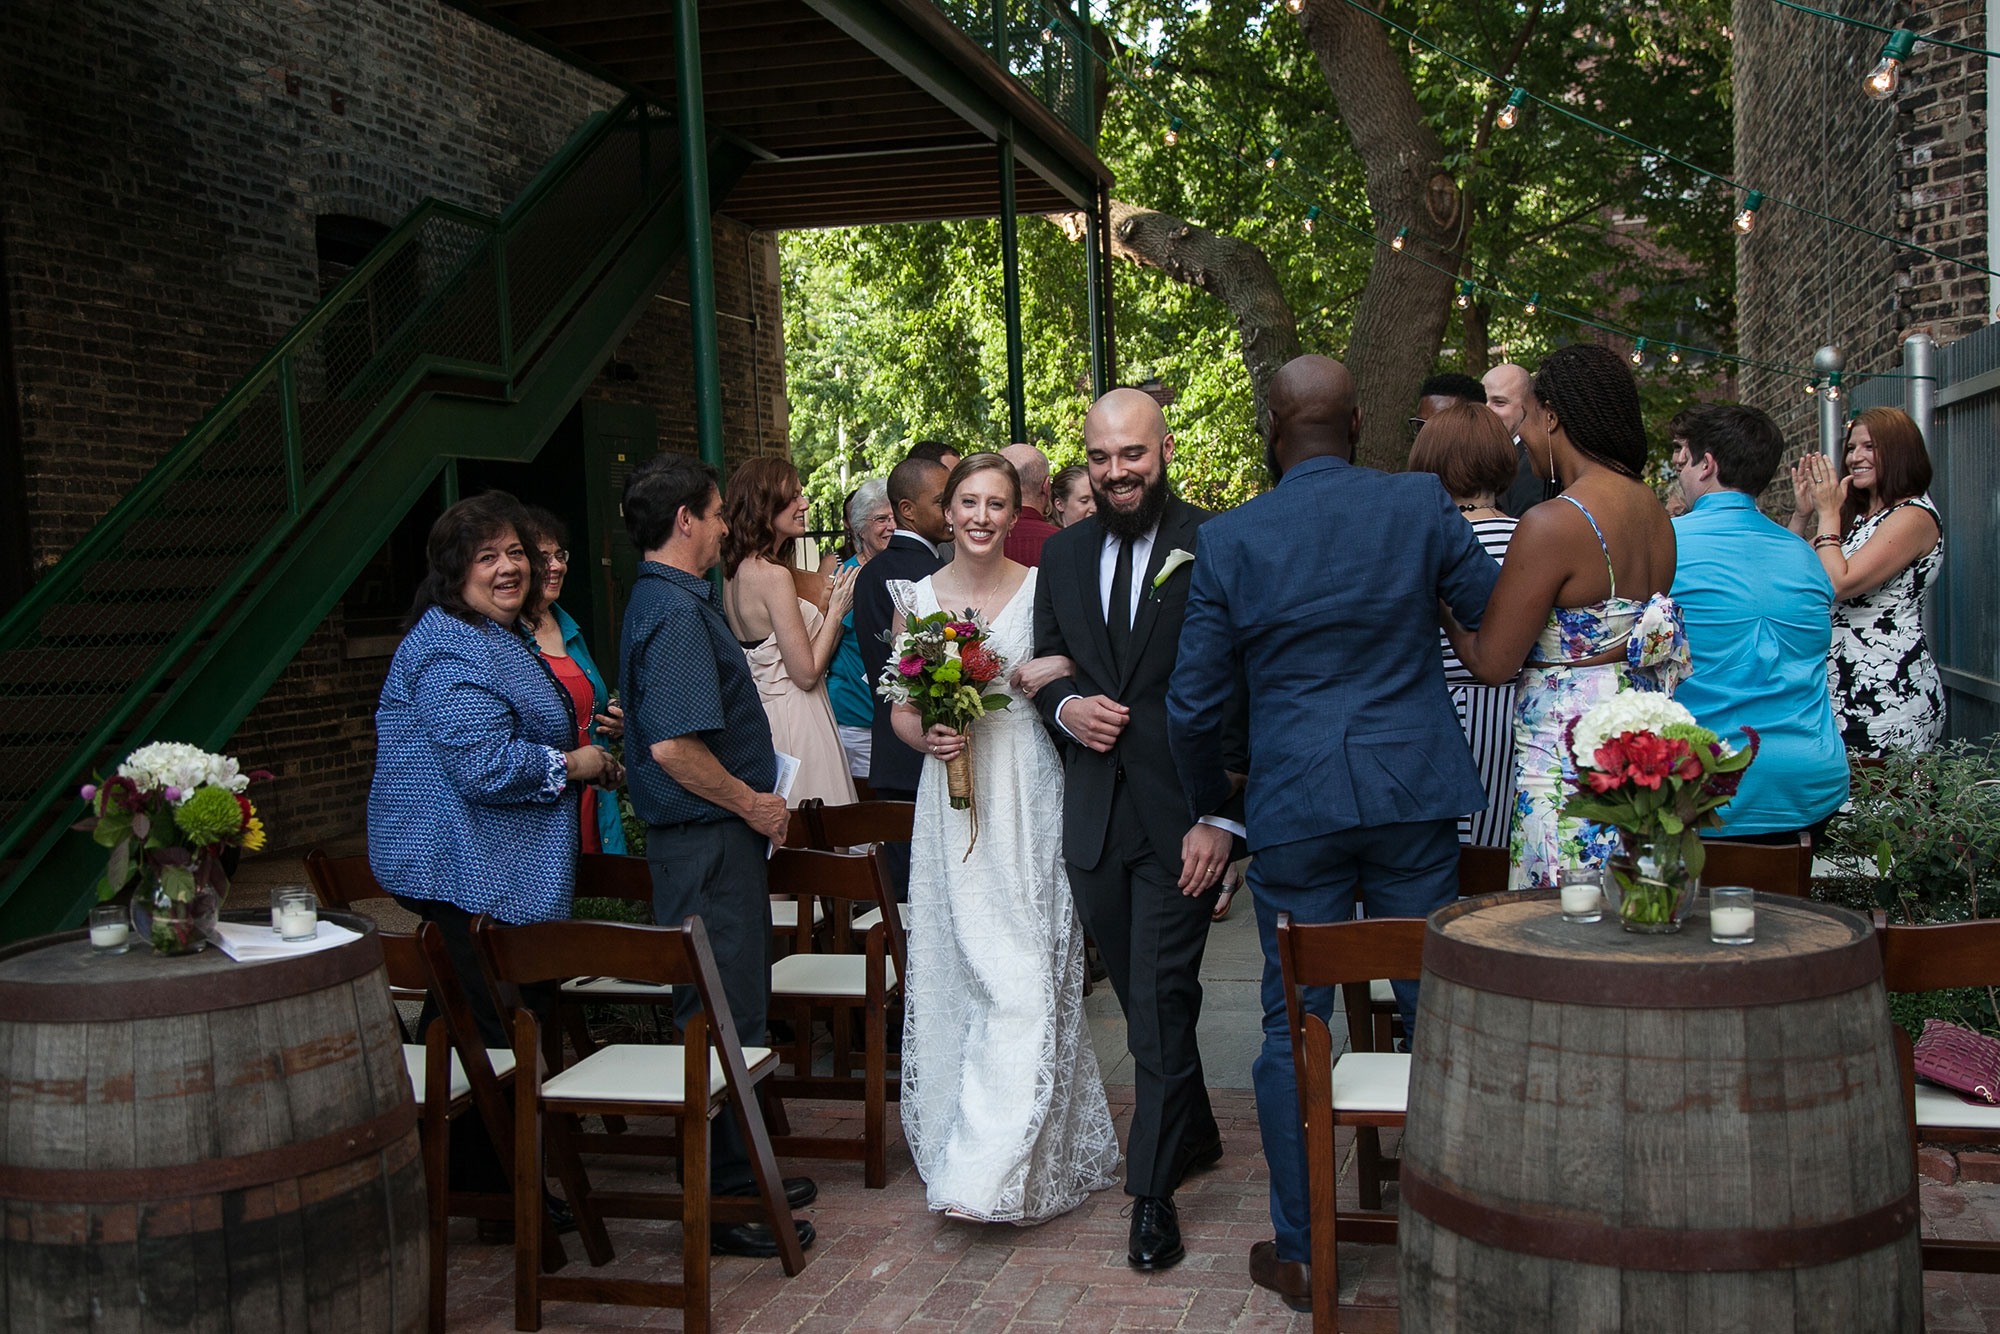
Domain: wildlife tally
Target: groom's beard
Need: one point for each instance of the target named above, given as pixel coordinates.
(1135, 525)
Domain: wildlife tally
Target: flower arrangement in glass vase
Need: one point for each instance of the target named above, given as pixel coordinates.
(1645, 767)
(937, 666)
(167, 816)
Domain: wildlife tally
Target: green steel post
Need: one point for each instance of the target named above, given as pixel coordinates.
(700, 242)
(1107, 300)
(1085, 80)
(503, 309)
(1010, 261)
(295, 459)
(1093, 283)
(1000, 33)
(448, 484)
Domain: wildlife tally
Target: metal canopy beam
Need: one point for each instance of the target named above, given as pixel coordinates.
(912, 36)
(1010, 288)
(700, 241)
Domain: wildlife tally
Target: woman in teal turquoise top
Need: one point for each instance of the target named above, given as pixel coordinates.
(560, 642)
(870, 521)
(1581, 611)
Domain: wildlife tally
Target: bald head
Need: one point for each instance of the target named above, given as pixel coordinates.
(1126, 412)
(1127, 448)
(1033, 466)
(1312, 412)
(1508, 391)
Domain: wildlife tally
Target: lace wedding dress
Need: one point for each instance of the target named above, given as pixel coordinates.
(1003, 1105)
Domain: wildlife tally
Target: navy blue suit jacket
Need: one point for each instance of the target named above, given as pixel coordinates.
(1323, 594)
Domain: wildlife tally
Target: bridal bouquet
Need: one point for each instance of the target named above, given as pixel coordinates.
(1645, 767)
(937, 666)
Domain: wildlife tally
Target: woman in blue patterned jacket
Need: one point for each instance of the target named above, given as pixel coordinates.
(477, 771)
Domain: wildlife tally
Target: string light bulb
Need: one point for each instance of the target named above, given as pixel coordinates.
(1464, 294)
(1673, 354)
(1402, 236)
(1746, 218)
(1510, 115)
(1888, 72)
(1812, 390)
(1639, 353)
(1534, 304)
(1311, 213)
(1048, 33)
(1833, 387)
(1295, 5)
(1271, 159)
(1152, 67)
(1173, 134)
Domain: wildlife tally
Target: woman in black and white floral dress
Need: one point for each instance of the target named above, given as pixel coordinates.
(1881, 541)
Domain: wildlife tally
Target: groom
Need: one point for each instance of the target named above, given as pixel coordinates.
(1320, 599)
(1142, 870)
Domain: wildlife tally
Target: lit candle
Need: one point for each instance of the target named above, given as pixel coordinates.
(277, 919)
(1732, 921)
(299, 923)
(109, 935)
(1579, 899)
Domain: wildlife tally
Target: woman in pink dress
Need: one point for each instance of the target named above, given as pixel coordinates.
(789, 640)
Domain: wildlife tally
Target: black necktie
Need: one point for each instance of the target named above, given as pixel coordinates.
(1119, 617)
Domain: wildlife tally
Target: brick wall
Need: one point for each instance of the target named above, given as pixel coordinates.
(162, 164)
(1913, 167)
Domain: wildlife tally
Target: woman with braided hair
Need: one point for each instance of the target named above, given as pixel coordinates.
(1581, 611)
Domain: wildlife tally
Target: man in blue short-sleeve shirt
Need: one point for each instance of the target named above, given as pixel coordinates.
(700, 769)
(1759, 612)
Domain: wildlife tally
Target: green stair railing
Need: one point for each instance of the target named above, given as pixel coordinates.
(452, 302)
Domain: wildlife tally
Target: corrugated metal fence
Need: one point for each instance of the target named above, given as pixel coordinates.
(1964, 619)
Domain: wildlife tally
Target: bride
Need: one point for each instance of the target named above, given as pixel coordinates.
(1002, 1102)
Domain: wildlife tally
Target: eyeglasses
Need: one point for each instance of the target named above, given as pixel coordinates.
(556, 557)
(1419, 423)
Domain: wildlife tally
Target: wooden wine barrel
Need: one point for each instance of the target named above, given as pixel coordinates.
(1610, 1131)
(194, 1143)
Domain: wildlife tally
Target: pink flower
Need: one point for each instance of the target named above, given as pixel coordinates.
(911, 666)
(172, 794)
(963, 629)
(89, 792)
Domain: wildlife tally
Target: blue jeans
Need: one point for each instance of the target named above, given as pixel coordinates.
(1398, 870)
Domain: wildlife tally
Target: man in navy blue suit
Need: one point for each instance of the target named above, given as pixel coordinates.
(1322, 594)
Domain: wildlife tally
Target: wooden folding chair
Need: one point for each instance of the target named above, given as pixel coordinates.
(1481, 870)
(345, 883)
(788, 915)
(1939, 958)
(708, 1076)
(844, 984)
(1364, 1087)
(1767, 868)
(841, 828)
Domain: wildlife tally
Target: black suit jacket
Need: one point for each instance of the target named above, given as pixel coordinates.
(892, 764)
(1069, 620)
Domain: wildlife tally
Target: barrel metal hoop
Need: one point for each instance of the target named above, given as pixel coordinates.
(212, 1176)
(1622, 984)
(1523, 1231)
(173, 992)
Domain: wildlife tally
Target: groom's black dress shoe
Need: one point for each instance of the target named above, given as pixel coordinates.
(753, 1239)
(1290, 1279)
(1156, 1233)
(1197, 1158)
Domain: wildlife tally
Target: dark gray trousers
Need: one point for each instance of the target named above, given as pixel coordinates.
(1151, 937)
(718, 872)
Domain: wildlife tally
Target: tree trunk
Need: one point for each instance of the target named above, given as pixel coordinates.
(1400, 321)
(1232, 271)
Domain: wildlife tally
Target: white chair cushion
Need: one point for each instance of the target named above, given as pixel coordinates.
(601, 987)
(826, 975)
(1371, 1081)
(785, 914)
(1381, 993)
(1941, 1108)
(866, 922)
(461, 1084)
(637, 1072)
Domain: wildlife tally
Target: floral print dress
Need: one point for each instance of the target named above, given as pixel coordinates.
(1551, 695)
(1887, 693)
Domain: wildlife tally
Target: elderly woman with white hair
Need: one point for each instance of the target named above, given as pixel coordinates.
(870, 521)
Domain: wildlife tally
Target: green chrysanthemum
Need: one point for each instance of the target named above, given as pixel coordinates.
(210, 816)
(1696, 737)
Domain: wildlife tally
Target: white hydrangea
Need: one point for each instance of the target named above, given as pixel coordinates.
(1626, 711)
(178, 765)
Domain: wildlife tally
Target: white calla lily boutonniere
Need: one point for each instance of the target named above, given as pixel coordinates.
(1175, 559)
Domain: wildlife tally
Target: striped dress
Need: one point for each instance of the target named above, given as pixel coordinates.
(1487, 715)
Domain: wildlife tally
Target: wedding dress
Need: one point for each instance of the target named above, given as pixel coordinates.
(1003, 1105)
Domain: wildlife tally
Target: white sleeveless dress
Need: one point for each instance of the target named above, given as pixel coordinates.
(1003, 1105)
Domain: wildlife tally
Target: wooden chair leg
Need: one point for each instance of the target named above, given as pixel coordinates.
(1385, 1032)
(561, 1131)
(875, 1172)
(1323, 1205)
(839, 1028)
(437, 1160)
(528, 1211)
(694, 1218)
(774, 1110)
(1368, 1165)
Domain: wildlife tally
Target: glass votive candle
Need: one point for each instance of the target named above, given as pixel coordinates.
(110, 929)
(298, 914)
(278, 893)
(1582, 891)
(1732, 915)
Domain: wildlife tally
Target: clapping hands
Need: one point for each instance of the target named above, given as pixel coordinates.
(1816, 488)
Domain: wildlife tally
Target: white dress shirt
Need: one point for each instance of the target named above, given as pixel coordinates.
(1107, 571)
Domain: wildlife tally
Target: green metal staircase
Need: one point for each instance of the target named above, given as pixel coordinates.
(460, 336)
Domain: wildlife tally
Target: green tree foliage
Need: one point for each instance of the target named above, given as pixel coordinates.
(894, 333)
